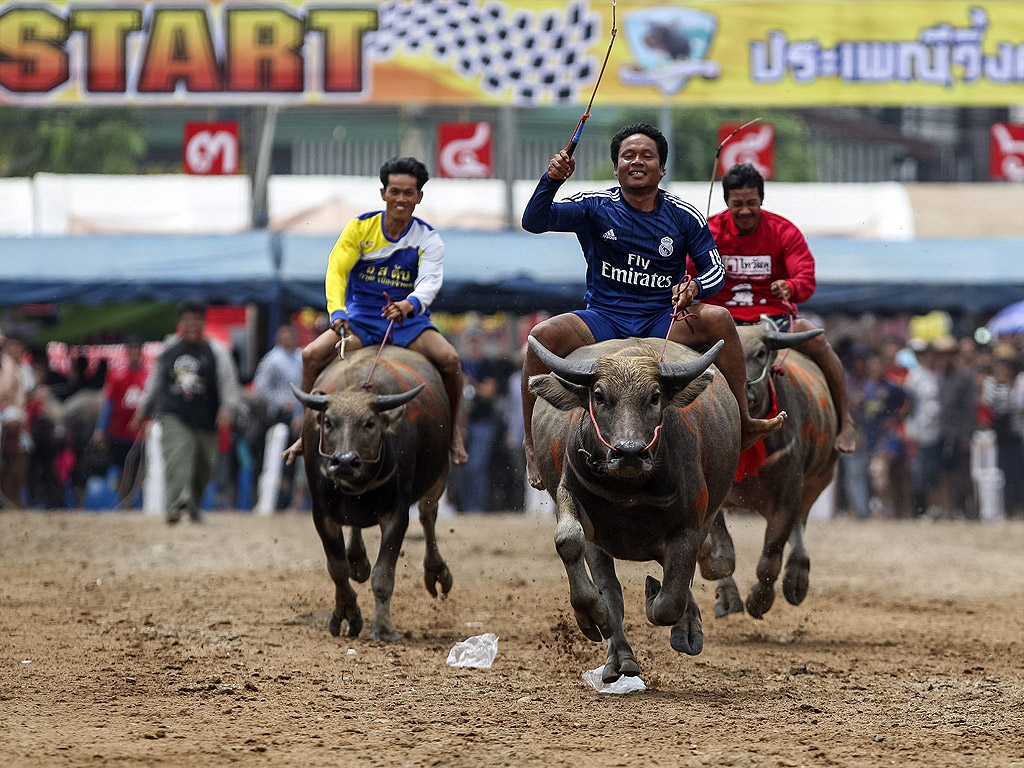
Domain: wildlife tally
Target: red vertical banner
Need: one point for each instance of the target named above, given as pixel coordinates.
(1006, 152)
(210, 149)
(755, 144)
(465, 150)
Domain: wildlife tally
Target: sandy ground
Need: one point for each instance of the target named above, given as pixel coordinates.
(127, 642)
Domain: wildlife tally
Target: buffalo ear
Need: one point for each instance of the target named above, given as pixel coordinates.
(393, 415)
(560, 393)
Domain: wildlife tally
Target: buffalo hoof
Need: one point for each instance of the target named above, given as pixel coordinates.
(796, 580)
(727, 598)
(440, 576)
(760, 600)
(355, 623)
(615, 668)
(687, 635)
(385, 635)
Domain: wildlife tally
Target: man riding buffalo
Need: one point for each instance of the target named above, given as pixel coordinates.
(635, 239)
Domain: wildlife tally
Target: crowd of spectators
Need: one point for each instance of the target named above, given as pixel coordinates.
(929, 415)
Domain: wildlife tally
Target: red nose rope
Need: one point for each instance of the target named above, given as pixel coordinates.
(608, 445)
(390, 303)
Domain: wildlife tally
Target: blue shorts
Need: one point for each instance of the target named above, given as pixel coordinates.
(782, 322)
(370, 330)
(605, 325)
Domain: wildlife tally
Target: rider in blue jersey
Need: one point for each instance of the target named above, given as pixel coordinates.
(635, 239)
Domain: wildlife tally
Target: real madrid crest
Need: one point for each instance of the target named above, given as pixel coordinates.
(666, 247)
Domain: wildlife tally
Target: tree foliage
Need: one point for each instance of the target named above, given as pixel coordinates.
(694, 140)
(72, 140)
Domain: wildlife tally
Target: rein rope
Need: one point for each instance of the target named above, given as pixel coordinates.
(380, 351)
(676, 316)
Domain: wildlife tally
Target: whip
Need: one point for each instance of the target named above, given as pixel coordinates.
(718, 154)
(571, 146)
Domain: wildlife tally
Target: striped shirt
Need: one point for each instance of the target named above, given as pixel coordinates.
(634, 257)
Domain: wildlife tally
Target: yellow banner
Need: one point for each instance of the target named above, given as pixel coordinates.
(520, 52)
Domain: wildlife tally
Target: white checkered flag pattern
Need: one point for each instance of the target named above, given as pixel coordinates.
(535, 57)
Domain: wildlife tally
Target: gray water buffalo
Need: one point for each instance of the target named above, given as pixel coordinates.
(638, 455)
(800, 463)
(370, 454)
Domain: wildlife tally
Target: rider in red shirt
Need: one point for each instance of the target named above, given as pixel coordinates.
(769, 268)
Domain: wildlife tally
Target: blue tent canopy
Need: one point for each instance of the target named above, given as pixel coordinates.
(484, 271)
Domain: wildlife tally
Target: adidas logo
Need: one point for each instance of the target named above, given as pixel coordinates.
(610, 235)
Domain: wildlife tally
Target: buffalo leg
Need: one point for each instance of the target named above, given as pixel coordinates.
(358, 562)
(620, 659)
(717, 558)
(592, 615)
(435, 570)
(382, 576)
(797, 577)
(762, 594)
(345, 606)
(672, 604)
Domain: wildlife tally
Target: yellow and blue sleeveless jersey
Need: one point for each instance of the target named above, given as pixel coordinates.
(365, 263)
(633, 257)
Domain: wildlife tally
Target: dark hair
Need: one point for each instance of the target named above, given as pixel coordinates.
(644, 129)
(407, 165)
(192, 308)
(741, 176)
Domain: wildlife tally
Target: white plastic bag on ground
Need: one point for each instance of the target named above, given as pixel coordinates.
(477, 651)
(622, 685)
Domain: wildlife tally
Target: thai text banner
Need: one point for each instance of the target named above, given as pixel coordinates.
(520, 52)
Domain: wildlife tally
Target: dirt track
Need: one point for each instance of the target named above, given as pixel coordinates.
(126, 642)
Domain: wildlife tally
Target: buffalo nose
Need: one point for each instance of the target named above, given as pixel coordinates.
(629, 448)
(342, 461)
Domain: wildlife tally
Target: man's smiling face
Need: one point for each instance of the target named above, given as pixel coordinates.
(639, 167)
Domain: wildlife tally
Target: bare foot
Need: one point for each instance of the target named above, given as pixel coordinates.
(532, 470)
(458, 451)
(759, 429)
(292, 452)
(846, 440)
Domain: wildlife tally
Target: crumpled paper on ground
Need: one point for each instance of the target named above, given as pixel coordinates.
(477, 651)
(622, 685)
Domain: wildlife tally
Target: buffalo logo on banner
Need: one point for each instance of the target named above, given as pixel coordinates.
(755, 144)
(669, 46)
(1006, 151)
(211, 149)
(464, 150)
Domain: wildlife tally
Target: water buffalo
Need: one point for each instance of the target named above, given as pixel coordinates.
(638, 455)
(800, 463)
(370, 454)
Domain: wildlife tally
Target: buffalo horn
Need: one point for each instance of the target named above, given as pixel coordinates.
(681, 374)
(773, 339)
(576, 372)
(387, 402)
(313, 402)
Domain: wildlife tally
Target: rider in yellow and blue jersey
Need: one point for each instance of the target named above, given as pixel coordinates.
(394, 253)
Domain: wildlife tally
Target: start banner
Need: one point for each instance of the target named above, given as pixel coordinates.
(518, 52)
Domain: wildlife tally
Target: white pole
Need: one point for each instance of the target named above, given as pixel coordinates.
(270, 477)
(153, 485)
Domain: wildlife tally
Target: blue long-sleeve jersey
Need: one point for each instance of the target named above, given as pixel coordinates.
(633, 257)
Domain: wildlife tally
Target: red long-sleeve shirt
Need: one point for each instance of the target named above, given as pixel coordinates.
(776, 251)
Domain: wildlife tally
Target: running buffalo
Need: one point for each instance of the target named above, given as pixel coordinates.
(370, 453)
(638, 454)
(800, 462)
